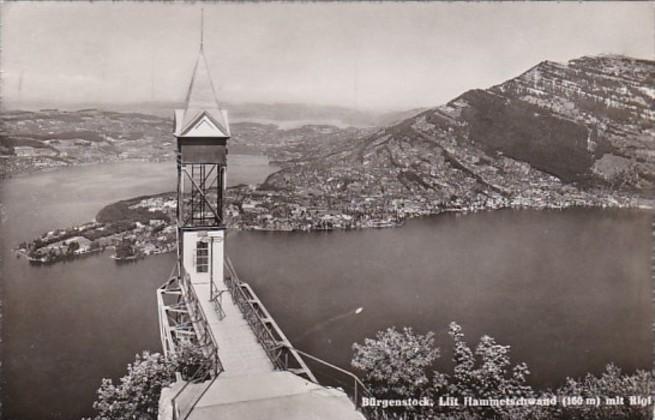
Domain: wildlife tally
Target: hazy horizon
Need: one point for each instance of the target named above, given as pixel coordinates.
(365, 56)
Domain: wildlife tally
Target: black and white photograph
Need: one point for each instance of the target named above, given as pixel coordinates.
(327, 210)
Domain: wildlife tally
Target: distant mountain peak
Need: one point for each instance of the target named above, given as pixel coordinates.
(588, 122)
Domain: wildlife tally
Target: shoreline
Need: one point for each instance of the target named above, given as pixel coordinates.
(645, 207)
(456, 211)
(46, 169)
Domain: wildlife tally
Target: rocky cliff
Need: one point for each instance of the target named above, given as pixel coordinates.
(585, 128)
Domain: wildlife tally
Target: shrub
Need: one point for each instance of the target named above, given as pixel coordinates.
(611, 383)
(136, 396)
(486, 373)
(395, 364)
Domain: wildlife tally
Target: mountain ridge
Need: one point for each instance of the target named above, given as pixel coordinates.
(560, 134)
(602, 123)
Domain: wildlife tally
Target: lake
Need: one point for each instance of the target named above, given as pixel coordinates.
(569, 290)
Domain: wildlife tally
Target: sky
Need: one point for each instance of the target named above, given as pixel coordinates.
(374, 56)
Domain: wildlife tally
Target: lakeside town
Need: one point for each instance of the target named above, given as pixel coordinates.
(47, 139)
(144, 226)
(51, 138)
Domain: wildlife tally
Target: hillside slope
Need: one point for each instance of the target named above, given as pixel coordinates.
(558, 134)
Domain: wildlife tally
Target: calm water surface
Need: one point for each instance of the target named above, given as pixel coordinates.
(569, 291)
(68, 325)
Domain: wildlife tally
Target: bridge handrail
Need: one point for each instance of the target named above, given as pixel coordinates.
(358, 384)
(359, 390)
(164, 327)
(176, 413)
(218, 365)
(216, 368)
(264, 335)
(167, 342)
(263, 325)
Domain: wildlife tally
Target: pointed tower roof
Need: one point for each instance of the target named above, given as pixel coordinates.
(201, 92)
(202, 115)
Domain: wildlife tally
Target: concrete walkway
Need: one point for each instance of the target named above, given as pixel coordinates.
(238, 348)
(273, 396)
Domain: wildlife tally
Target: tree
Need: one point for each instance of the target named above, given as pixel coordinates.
(611, 383)
(125, 249)
(72, 247)
(136, 396)
(395, 364)
(485, 373)
(488, 372)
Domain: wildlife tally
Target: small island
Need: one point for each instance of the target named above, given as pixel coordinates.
(133, 228)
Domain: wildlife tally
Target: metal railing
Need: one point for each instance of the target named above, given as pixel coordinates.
(354, 388)
(357, 388)
(216, 296)
(276, 345)
(165, 334)
(186, 398)
(201, 325)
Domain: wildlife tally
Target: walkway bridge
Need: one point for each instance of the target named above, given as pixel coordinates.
(255, 372)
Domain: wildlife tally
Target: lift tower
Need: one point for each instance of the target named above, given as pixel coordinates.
(202, 130)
